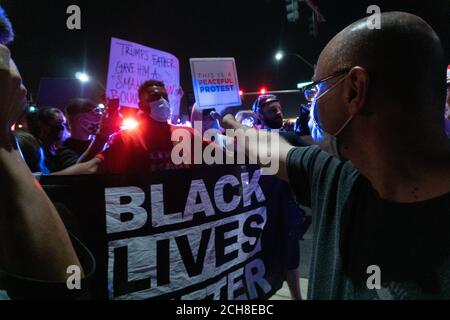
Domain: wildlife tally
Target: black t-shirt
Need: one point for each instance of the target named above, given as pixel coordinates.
(69, 153)
(356, 229)
(147, 149)
(294, 139)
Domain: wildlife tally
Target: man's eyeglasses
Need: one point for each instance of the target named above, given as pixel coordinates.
(312, 90)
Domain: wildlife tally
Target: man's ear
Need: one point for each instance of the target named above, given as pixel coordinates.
(358, 89)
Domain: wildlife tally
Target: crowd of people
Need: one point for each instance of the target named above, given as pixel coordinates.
(374, 168)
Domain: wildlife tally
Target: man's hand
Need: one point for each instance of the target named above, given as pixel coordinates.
(12, 96)
(255, 151)
(226, 118)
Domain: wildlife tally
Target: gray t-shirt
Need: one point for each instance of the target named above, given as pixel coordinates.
(355, 229)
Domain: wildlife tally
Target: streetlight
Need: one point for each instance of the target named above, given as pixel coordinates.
(82, 77)
(280, 55)
(85, 78)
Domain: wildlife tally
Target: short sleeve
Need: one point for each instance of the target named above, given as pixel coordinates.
(310, 171)
(66, 158)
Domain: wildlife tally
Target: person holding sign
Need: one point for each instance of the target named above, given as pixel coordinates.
(383, 223)
(147, 148)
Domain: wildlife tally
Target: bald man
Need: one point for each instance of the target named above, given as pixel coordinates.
(379, 184)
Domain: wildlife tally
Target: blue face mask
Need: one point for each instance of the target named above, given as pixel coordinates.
(160, 110)
(327, 142)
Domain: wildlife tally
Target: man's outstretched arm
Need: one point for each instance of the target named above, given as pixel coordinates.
(259, 150)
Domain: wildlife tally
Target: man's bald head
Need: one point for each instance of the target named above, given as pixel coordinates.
(404, 60)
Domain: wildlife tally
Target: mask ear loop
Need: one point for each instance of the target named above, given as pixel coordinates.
(344, 126)
(331, 88)
(313, 105)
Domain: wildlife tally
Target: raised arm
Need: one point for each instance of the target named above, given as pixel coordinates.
(265, 143)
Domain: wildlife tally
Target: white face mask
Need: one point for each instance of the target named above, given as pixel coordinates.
(160, 110)
(327, 142)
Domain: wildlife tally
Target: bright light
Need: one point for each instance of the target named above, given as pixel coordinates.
(101, 106)
(83, 77)
(241, 93)
(129, 124)
(263, 91)
(303, 84)
(279, 56)
(32, 109)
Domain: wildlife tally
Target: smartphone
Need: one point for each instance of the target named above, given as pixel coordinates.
(113, 106)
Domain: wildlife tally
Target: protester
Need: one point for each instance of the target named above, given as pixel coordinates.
(269, 111)
(146, 149)
(83, 118)
(301, 126)
(51, 131)
(270, 114)
(385, 213)
(32, 152)
(35, 249)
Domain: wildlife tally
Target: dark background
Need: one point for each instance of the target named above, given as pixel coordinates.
(251, 31)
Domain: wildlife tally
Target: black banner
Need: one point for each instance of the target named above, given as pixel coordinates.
(212, 233)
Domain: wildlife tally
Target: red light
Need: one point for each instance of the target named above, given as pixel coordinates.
(129, 124)
(241, 93)
(263, 91)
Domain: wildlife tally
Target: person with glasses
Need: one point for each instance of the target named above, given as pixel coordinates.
(84, 119)
(379, 182)
(146, 148)
(51, 131)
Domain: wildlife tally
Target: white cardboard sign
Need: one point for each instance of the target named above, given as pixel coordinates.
(215, 83)
(131, 64)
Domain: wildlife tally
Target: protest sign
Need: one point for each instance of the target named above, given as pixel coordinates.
(184, 235)
(215, 82)
(130, 64)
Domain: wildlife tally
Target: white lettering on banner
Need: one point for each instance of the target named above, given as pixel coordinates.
(213, 291)
(116, 211)
(253, 273)
(222, 205)
(177, 260)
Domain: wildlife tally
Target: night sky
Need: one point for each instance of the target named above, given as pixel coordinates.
(249, 30)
